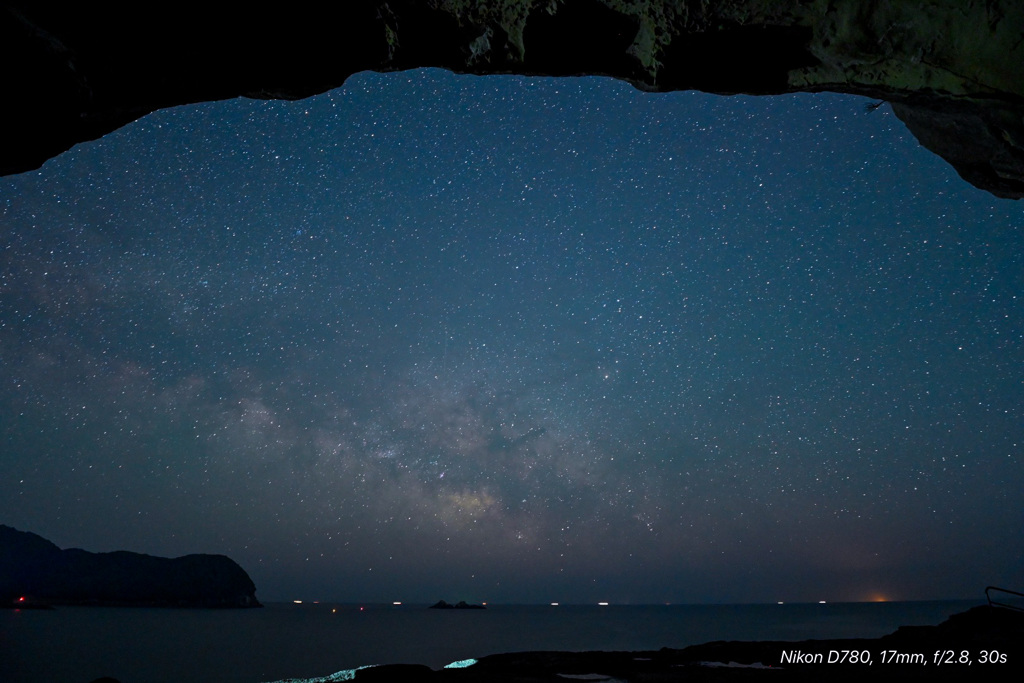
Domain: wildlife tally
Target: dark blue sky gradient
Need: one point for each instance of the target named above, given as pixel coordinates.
(520, 340)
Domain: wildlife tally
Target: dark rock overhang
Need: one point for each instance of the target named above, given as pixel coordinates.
(952, 70)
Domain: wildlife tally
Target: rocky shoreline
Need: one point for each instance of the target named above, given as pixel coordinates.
(984, 642)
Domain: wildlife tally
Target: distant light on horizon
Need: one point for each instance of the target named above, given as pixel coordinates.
(297, 602)
(602, 604)
(397, 602)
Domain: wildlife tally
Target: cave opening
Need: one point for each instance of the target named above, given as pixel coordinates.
(648, 347)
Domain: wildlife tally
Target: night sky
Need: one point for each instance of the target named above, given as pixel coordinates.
(520, 340)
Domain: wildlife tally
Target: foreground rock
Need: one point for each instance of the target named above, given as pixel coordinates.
(984, 643)
(953, 70)
(35, 572)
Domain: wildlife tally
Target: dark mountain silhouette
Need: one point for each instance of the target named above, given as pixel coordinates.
(34, 571)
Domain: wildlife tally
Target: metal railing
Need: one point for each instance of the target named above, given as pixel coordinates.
(993, 603)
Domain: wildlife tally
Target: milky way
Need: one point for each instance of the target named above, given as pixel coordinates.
(434, 336)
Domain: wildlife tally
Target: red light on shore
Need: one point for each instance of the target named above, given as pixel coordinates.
(21, 599)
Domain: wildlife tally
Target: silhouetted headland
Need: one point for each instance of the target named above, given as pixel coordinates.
(36, 573)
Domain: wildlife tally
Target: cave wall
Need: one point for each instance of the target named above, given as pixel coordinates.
(952, 69)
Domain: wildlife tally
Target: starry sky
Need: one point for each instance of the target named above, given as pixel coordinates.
(520, 340)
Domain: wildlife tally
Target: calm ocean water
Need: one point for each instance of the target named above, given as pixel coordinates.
(78, 644)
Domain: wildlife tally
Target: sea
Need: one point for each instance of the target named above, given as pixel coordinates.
(307, 641)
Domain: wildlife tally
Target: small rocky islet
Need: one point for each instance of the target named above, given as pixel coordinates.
(461, 604)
